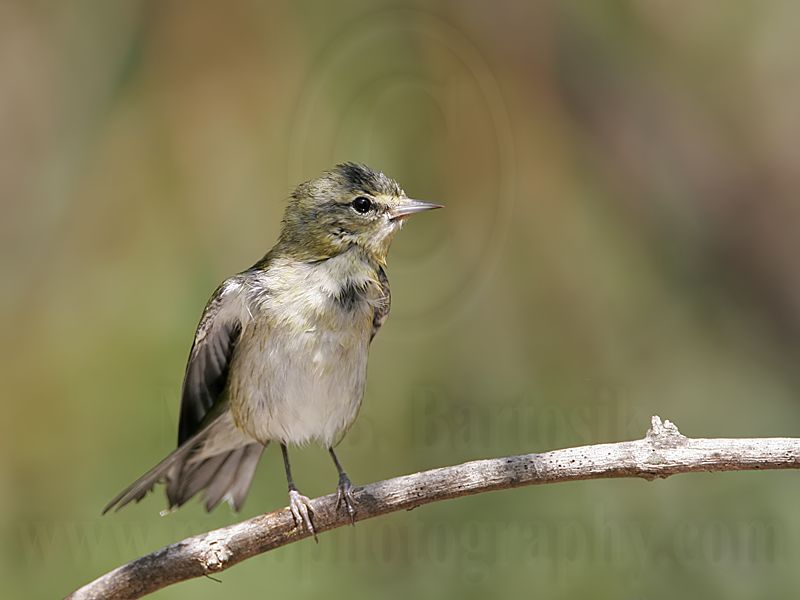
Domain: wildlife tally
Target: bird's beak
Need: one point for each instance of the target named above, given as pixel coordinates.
(409, 207)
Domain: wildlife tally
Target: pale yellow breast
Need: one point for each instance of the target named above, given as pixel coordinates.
(299, 369)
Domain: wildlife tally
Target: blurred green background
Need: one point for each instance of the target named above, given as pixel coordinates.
(620, 240)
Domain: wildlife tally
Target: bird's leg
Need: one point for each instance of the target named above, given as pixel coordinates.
(344, 493)
(299, 505)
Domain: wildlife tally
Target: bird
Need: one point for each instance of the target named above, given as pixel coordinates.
(280, 353)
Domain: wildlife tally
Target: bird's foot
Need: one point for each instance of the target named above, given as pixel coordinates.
(344, 496)
(301, 511)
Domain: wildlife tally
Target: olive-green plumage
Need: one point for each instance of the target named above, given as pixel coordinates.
(280, 353)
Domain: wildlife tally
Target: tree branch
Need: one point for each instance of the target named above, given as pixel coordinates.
(662, 452)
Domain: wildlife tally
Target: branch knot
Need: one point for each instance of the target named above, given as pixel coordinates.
(664, 434)
(216, 556)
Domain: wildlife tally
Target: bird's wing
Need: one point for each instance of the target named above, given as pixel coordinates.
(382, 309)
(207, 370)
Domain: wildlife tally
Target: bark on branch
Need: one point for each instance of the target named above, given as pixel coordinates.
(664, 451)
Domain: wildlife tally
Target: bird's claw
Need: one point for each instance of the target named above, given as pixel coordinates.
(301, 511)
(344, 496)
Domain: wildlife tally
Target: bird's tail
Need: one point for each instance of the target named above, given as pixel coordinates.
(195, 466)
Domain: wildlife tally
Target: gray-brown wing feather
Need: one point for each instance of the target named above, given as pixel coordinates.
(207, 369)
(384, 305)
(186, 471)
(175, 460)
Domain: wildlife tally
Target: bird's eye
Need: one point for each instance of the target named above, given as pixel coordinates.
(362, 204)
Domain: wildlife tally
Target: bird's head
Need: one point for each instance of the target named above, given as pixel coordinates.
(350, 205)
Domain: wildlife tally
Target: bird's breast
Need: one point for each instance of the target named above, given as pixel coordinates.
(299, 369)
